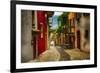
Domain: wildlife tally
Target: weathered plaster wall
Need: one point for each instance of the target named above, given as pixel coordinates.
(85, 25)
(26, 36)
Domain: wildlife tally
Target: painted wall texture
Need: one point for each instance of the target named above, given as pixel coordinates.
(26, 36)
(85, 32)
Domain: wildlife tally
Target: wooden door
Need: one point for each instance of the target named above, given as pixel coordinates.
(42, 36)
(78, 39)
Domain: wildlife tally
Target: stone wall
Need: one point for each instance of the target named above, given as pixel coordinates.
(26, 36)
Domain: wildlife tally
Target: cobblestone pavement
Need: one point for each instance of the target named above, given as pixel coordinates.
(76, 54)
(63, 55)
(72, 54)
(59, 54)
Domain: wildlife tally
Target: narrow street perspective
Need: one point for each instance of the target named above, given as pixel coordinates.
(48, 36)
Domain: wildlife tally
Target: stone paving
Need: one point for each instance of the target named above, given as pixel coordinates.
(76, 54)
(72, 54)
(59, 54)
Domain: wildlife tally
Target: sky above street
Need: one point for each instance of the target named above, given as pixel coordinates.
(54, 19)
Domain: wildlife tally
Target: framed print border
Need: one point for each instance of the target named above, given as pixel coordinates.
(13, 35)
